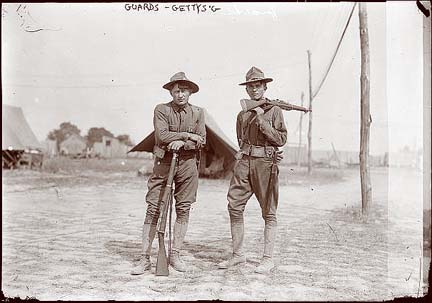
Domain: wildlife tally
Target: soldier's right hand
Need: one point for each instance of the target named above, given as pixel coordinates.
(176, 145)
(258, 110)
(196, 138)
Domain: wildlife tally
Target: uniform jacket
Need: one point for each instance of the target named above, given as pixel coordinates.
(272, 132)
(173, 123)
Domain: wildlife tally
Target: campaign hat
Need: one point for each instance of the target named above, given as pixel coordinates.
(180, 77)
(254, 74)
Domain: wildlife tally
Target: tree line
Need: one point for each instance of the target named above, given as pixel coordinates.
(94, 134)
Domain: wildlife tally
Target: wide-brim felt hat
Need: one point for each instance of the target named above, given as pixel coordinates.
(180, 77)
(255, 75)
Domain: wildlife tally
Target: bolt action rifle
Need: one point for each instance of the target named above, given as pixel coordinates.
(248, 105)
(164, 205)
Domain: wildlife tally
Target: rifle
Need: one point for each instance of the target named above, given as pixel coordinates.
(248, 105)
(165, 202)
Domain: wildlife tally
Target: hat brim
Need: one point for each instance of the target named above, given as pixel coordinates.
(265, 80)
(192, 85)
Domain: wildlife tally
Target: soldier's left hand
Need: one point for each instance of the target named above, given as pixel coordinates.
(279, 156)
(196, 138)
(176, 145)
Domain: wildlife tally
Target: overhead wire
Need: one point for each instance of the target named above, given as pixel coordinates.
(337, 22)
(316, 40)
(112, 85)
(335, 53)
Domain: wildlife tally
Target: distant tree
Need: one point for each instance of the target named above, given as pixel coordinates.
(125, 139)
(63, 132)
(95, 134)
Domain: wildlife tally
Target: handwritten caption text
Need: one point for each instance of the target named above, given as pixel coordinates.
(155, 7)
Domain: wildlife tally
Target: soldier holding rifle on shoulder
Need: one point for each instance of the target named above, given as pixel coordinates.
(179, 127)
(261, 131)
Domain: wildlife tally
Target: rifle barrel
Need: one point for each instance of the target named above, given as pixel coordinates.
(248, 105)
(162, 260)
(287, 106)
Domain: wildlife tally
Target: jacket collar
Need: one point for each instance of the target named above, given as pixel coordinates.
(179, 108)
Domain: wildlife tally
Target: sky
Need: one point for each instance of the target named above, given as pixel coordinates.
(102, 65)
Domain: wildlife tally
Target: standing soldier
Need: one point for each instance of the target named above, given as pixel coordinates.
(178, 126)
(259, 132)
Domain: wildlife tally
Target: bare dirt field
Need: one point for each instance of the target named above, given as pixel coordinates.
(72, 232)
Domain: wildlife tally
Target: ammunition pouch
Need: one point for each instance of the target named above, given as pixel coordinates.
(159, 152)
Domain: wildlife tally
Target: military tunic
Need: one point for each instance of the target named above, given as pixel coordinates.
(256, 172)
(172, 123)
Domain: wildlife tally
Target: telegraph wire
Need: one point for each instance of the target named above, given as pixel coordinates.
(201, 79)
(334, 55)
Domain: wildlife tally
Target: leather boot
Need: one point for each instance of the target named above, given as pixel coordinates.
(180, 230)
(237, 234)
(148, 234)
(267, 263)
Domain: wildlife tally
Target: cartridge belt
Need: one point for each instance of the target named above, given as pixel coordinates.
(258, 151)
(166, 156)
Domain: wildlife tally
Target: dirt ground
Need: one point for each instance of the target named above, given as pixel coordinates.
(75, 235)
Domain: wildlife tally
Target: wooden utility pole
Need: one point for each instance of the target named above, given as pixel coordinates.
(366, 120)
(299, 154)
(310, 116)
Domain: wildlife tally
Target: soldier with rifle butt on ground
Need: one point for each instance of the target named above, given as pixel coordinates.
(261, 131)
(179, 129)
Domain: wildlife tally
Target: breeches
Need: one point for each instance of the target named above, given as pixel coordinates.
(254, 176)
(185, 184)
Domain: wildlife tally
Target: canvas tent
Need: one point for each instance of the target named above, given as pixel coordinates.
(17, 135)
(218, 156)
(73, 145)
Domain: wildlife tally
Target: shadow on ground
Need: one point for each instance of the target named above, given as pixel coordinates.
(128, 250)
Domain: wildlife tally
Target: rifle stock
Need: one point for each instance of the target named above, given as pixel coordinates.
(165, 201)
(248, 105)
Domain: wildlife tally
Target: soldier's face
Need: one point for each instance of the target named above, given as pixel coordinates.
(256, 90)
(180, 94)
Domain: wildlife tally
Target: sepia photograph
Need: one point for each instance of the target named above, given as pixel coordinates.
(181, 151)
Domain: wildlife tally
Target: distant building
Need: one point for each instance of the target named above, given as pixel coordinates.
(50, 148)
(73, 145)
(110, 148)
